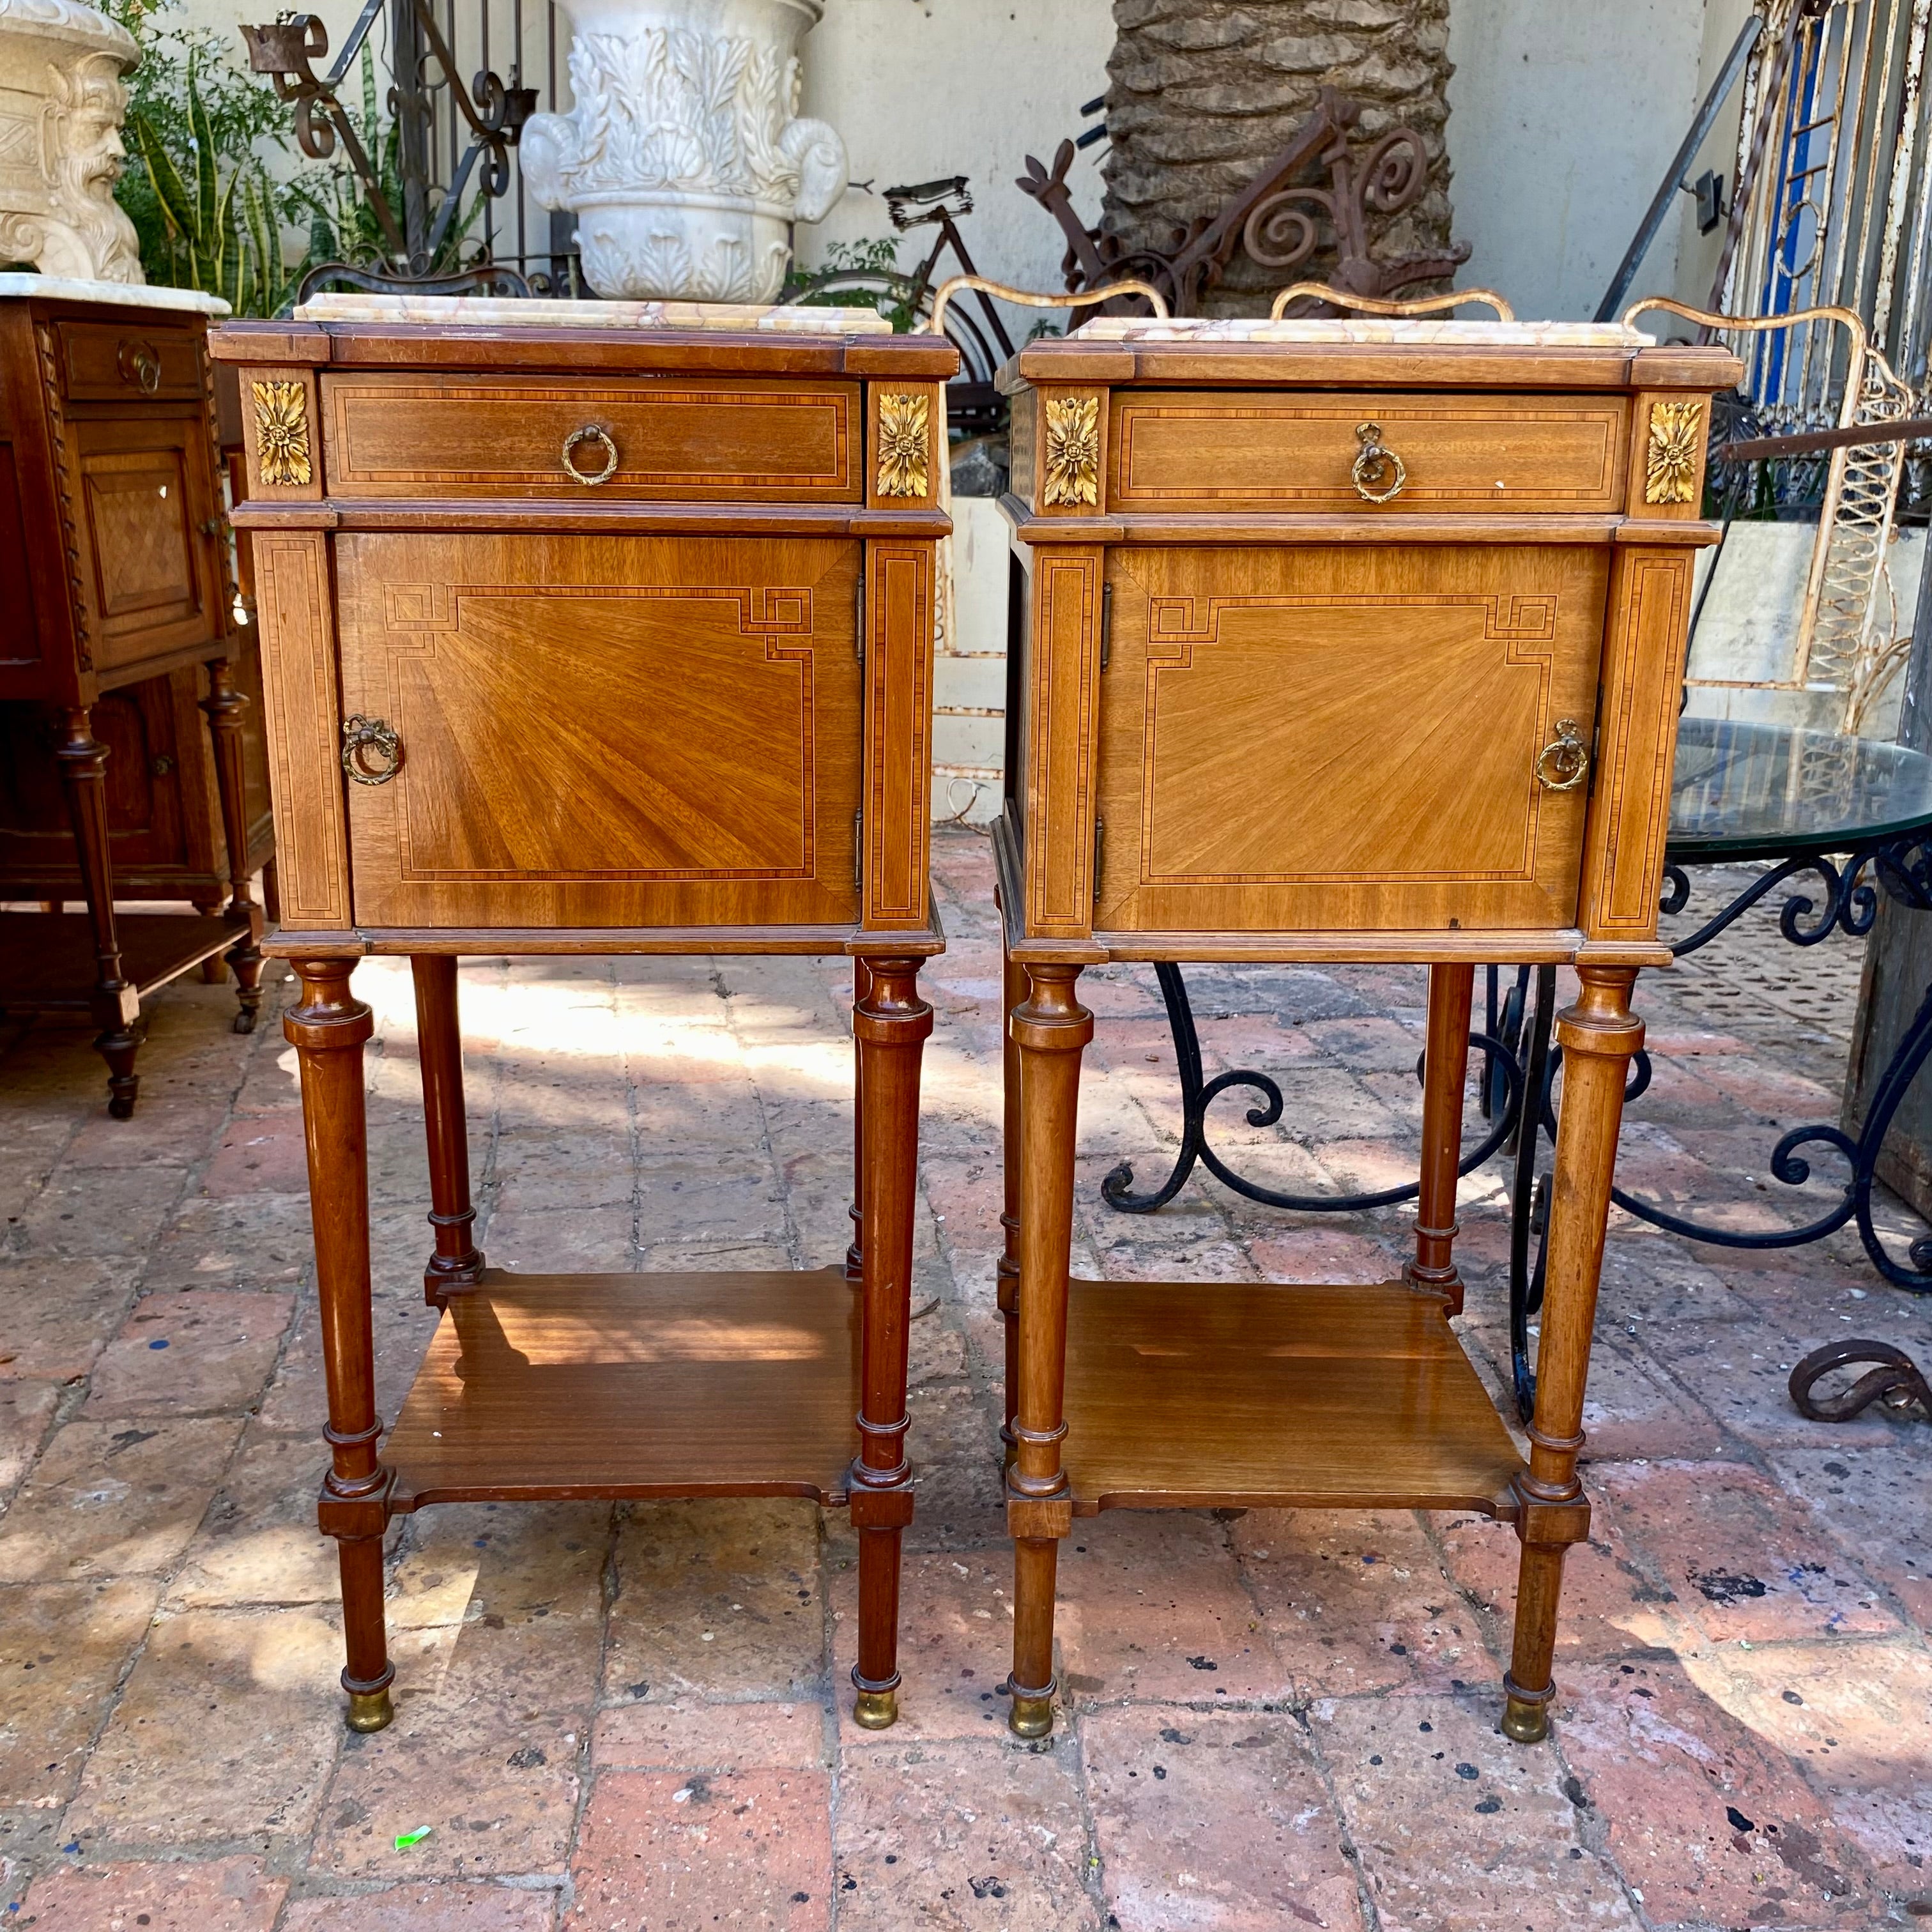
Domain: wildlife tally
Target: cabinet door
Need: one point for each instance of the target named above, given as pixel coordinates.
(604, 731)
(1343, 739)
(149, 567)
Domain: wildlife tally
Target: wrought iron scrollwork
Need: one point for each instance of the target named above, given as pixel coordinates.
(493, 111)
(1522, 1065)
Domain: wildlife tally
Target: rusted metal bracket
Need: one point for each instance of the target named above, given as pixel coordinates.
(1895, 1381)
(1277, 222)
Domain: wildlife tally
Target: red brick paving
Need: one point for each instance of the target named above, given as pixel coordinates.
(1746, 1632)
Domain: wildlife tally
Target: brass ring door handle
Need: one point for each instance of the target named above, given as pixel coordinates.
(372, 754)
(1377, 474)
(139, 363)
(1563, 764)
(590, 432)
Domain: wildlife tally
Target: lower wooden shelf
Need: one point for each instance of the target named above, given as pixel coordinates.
(544, 1386)
(47, 962)
(1239, 1395)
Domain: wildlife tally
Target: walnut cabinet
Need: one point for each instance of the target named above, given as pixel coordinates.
(1330, 641)
(585, 636)
(117, 628)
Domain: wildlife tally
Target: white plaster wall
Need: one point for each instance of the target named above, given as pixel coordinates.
(1564, 115)
(923, 88)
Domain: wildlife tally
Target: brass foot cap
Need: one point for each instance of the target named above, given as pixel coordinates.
(369, 1710)
(1030, 1716)
(1526, 1720)
(876, 1710)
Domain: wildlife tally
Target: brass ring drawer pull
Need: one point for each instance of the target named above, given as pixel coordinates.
(1563, 764)
(372, 754)
(590, 432)
(139, 363)
(1378, 474)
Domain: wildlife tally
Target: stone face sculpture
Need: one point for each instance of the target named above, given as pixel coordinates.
(684, 157)
(62, 103)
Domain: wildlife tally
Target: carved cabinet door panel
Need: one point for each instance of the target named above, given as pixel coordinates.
(603, 730)
(1419, 687)
(146, 530)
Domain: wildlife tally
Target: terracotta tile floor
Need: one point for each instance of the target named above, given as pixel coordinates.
(631, 1720)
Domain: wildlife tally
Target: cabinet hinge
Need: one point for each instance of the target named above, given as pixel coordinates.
(1106, 624)
(1099, 852)
(858, 853)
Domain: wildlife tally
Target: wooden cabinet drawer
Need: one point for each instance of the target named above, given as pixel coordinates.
(604, 730)
(1281, 450)
(1344, 739)
(660, 437)
(113, 362)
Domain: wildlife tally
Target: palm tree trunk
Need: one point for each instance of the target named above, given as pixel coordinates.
(1204, 92)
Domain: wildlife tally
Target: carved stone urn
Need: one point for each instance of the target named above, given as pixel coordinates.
(684, 156)
(62, 103)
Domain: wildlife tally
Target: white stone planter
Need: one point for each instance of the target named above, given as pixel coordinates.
(684, 156)
(61, 106)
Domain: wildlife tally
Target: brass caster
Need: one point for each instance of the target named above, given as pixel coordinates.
(369, 1710)
(876, 1710)
(1032, 1714)
(1525, 1719)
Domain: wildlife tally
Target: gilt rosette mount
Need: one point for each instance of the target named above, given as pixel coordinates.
(685, 158)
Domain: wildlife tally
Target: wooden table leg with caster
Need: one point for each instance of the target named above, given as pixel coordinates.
(1598, 1036)
(327, 1031)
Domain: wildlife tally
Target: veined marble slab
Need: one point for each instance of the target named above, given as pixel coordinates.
(1416, 331)
(128, 295)
(490, 311)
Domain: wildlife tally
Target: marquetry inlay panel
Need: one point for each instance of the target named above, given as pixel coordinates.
(401, 436)
(1418, 687)
(515, 672)
(1218, 450)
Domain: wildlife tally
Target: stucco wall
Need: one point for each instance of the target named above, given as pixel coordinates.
(1565, 114)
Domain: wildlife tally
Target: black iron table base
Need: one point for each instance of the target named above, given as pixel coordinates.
(1519, 1060)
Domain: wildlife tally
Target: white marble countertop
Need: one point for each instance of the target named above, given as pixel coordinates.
(492, 312)
(1416, 331)
(127, 295)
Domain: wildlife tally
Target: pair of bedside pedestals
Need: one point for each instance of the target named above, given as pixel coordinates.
(591, 633)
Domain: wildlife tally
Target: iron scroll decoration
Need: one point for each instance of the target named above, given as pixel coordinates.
(372, 754)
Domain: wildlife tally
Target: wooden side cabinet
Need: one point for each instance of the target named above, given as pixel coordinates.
(1330, 641)
(118, 628)
(589, 630)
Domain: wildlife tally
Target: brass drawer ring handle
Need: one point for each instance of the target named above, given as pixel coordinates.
(372, 754)
(1378, 474)
(139, 363)
(1563, 764)
(590, 432)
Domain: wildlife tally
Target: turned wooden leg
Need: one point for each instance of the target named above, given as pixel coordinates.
(1445, 1069)
(862, 986)
(890, 1028)
(224, 706)
(1009, 1218)
(456, 1263)
(1050, 1029)
(115, 1003)
(1598, 1035)
(328, 1030)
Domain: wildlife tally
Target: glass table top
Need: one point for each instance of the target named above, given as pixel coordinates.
(1763, 791)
